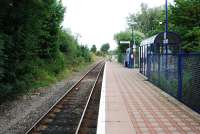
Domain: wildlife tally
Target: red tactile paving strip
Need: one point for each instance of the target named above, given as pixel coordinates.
(148, 110)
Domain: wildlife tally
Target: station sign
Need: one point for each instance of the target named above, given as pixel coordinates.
(124, 42)
(165, 41)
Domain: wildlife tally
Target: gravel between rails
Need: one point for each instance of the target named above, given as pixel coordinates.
(19, 115)
(89, 122)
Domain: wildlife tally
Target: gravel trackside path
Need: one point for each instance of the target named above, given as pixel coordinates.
(18, 116)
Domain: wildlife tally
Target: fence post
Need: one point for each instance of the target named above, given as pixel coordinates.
(166, 61)
(140, 58)
(180, 74)
(145, 61)
(148, 62)
(158, 61)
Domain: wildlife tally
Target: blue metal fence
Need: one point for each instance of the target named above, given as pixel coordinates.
(190, 73)
(177, 74)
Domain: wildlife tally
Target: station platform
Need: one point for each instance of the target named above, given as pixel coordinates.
(132, 105)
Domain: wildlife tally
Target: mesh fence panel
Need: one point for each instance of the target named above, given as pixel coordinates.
(163, 70)
(191, 81)
(152, 72)
(169, 74)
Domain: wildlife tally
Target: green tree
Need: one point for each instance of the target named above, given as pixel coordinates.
(83, 54)
(99, 53)
(20, 24)
(127, 36)
(52, 15)
(2, 57)
(184, 19)
(105, 47)
(147, 21)
(33, 46)
(185, 15)
(93, 49)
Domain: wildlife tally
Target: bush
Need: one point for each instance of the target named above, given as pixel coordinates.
(2, 57)
(121, 57)
(34, 49)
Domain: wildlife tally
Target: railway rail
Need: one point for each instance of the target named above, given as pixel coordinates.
(88, 122)
(67, 115)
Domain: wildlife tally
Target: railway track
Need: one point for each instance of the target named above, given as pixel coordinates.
(88, 122)
(67, 115)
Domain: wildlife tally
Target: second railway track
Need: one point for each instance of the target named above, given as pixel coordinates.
(65, 116)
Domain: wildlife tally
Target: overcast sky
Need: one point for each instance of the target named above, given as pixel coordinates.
(98, 20)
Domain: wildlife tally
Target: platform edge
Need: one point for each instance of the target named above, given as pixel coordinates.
(101, 116)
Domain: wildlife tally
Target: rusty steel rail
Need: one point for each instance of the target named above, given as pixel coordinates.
(31, 130)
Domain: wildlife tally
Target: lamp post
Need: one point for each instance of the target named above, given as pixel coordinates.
(165, 42)
(133, 46)
(166, 15)
(134, 54)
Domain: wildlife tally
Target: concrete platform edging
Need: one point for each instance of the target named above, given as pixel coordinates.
(102, 107)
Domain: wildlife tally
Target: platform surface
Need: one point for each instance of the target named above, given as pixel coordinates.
(130, 104)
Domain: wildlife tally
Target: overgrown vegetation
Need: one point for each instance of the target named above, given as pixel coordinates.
(34, 49)
(104, 48)
(93, 49)
(147, 21)
(126, 36)
(184, 18)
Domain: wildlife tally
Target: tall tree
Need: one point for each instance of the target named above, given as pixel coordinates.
(24, 27)
(2, 57)
(147, 21)
(126, 36)
(93, 49)
(105, 47)
(185, 15)
(52, 18)
(20, 25)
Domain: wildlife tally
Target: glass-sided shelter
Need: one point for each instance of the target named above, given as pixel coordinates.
(156, 45)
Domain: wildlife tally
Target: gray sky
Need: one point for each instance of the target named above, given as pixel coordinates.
(98, 20)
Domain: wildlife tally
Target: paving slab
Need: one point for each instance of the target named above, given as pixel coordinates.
(130, 104)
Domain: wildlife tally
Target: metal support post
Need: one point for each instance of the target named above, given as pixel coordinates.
(165, 39)
(180, 75)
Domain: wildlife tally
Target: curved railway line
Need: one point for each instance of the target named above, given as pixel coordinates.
(76, 111)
